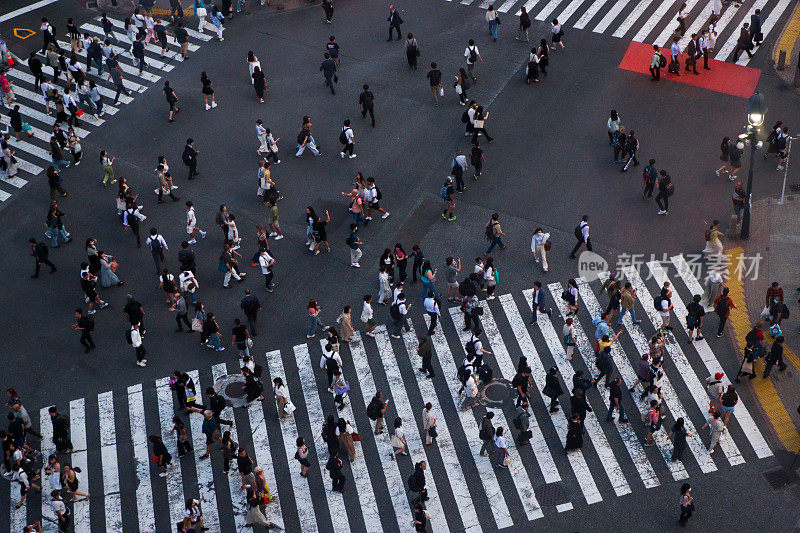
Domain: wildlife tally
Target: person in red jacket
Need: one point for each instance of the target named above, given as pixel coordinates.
(722, 306)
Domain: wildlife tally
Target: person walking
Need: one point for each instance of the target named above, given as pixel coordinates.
(472, 55)
(539, 247)
(538, 302)
(582, 234)
(327, 7)
(743, 43)
(756, 36)
(717, 428)
(552, 389)
(366, 103)
(328, 69)
(60, 431)
(502, 458)
(678, 435)
(493, 20)
(172, 99)
(692, 53)
(686, 504)
(347, 139)
(301, 455)
(398, 311)
(189, 158)
(394, 22)
(434, 76)
(134, 337)
(574, 438)
(665, 190)
(630, 149)
(524, 25)
(376, 410)
(431, 306)
(722, 307)
(429, 424)
(495, 234)
(158, 246)
(41, 253)
(655, 64)
(411, 50)
(615, 401)
(84, 324)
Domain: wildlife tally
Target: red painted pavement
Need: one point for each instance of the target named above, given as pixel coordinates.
(728, 78)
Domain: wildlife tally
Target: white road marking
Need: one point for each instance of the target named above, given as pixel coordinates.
(104, 92)
(26, 9)
(174, 479)
(634, 15)
(587, 16)
(192, 33)
(144, 489)
(80, 459)
(300, 485)
(769, 23)
(573, 6)
(108, 455)
(47, 448)
(549, 8)
(672, 23)
(205, 476)
(609, 17)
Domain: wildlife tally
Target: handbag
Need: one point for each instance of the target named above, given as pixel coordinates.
(765, 312)
(356, 437)
(507, 460)
(26, 127)
(432, 433)
(344, 389)
(441, 91)
(197, 324)
(289, 407)
(478, 124)
(249, 342)
(200, 12)
(459, 90)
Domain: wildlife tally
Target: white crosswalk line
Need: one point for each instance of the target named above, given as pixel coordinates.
(104, 92)
(697, 26)
(506, 6)
(670, 399)
(664, 8)
(36, 97)
(4, 195)
(587, 15)
(628, 375)
(609, 17)
(696, 389)
(46, 119)
(124, 45)
(26, 146)
(127, 69)
(570, 10)
(358, 468)
(18, 516)
(548, 8)
(108, 455)
(488, 475)
(576, 459)
(205, 476)
(263, 457)
(316, 419)
(631, 19)
(174, 479)
(192, 33)
(444, 442)
(47, 448)
(584, 348)
(529, 5)
(539, 446)
(516, 470)
(128, 84)
(80, 459)
(238, 495)
(508, 370)
(404, 410)
(144, 489)
(726, 442)
(17, 181)
(769, 23)
(466, 2)
(391, 469)
(302, 491)
(592, 426)
(724, 52)
(742, 415)
(485, 4)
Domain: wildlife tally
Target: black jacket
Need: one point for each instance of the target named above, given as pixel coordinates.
(186, 258)
(328, 68)
(579, 406)
(94, 51)
(552, 387)
(524, 21)
(40, 251)
(189, 155)
(250, 305)
(394, 18)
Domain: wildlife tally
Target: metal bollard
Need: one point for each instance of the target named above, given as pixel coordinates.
(781, 60)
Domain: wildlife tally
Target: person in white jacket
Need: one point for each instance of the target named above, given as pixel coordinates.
(470, 393)
(136, 342)
(538, 247)
(428, 422)
(191, 224)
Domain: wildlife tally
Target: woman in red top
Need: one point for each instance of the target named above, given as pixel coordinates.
(313, 316)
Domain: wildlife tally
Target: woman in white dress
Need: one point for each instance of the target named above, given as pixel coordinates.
(252, 63)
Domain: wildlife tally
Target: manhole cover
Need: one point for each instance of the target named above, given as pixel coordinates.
(551, 494)
(495, 393)
(231, 388)
(778, 478)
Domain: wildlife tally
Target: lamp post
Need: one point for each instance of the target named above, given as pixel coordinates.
(756, 109)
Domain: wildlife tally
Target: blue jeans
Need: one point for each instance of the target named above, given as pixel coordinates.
(313, 322)
(358, 218)
(215, 340)
(59, 164)
(493, 28)
(611, 407)
(495, 241)
(622, 314)
(53, 233)
(98, 60)
(85, 101)
(192, 296)
(429, 287)
(98, 105)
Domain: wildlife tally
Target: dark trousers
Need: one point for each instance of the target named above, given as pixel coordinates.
(631, 159)
(348, 148)
(686, 514)
(478, 168)
(251, 323)
(328, 12)
(655, 72)
(135, 231)
(432, 327)
(371, 111)
(39, 263)
(86, 339)
(394, 27)
(49, 39)
(193, 172)
(273, 155)
(120, 89)
(158, 257)
(705, 59)
(721, 328)
(181, 319)
(471, 322)
(329, 83)
(458, 174)
(738, 51)
(691, 62)
(426, 364)
(184, 447)
(579, 244)
(475, 133)
(170, 194)
(38, 78)
(536, 308)
(338, 480)
(619, 152)
(142, 63)
(648, 189)
(663, 205)
(268, 279)
(415, 269)
(140, 353)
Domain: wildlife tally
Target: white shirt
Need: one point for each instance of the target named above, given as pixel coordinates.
(538, 239)
(22, 478)
(260, 130)
(428, 419)
(431, 306)
(266, 261)
(160, 239)
(675, 50)
(467, 51)
(401, 307)
(664, 307)
(470, 387)
(282, 392)
(136, 338)
(184, 278)
(702, 43)
(716, 7)
(500, 441)
(478, 269)
(68, 99)
(348, 133)
(58, 507)
(46, 27)
(371, 194)
(491, 15)
(366, 313)
(461, 160)
(556, 28)
(584, 230)
(471, 114)
(191, 219)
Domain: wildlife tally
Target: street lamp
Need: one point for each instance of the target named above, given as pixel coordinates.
(756, 109)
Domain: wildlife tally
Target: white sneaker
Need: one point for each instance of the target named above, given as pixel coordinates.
(193, 241)
(213, 104)
(368, 218)
(278, 162)
(279, 237)
(355, 265)
(385, 215)
(661, 212)
(208, 107)
(780, 167)
(141, 363)
(732, 177)
(341, 154)
(716, 172)
(272, 234)
(91, 311)
(203, 234)
(353, 156)
(311, 247)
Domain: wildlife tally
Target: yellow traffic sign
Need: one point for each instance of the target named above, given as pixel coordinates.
(23, 33)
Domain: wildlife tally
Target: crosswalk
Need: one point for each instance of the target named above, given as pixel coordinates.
(467, 492)
(648, 21)
(31, 152)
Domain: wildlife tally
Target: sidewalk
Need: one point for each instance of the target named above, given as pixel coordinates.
(789, 40)
(775, 235)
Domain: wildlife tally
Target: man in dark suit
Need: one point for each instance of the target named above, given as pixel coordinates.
(190, 158)
(394, 22)
(251, 306)
(755, 28)
(743, 43)
(40, 253)
(538, 302)
(692, 52)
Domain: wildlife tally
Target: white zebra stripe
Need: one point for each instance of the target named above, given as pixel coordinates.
(144, 489)
(205, 476)
(634, 15)
(108, 455)
(80, 459)
(174, 479)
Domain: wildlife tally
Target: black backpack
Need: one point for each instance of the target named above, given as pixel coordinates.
(343, 136)
(579, 231)
(128, 336)
(155, 243)
(657, 302)
(473, 55)
(374, 409)
(662, 61)
(469, 347)
(394, 311)
(489, 231)
(463, 374)
(722, 306)
(414, 484)
(464, 117)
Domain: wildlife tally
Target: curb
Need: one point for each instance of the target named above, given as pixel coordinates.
(788, 40)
